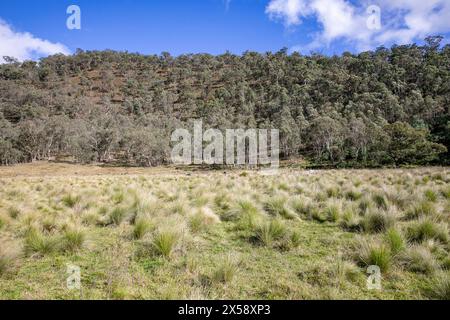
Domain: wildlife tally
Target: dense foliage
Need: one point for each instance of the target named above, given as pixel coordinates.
(386, 107)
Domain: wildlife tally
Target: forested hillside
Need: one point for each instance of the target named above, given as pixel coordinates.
(386, 107)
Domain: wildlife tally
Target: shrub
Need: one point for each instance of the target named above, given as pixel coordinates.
(226, 270)
(419, 259)
(378, 221)
(278, 207)
(269, 232)
(395, 240)
(426, 229)
(374, 254)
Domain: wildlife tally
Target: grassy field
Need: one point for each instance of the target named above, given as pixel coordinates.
(168, 234)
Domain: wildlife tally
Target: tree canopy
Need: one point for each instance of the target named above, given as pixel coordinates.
(382, 107)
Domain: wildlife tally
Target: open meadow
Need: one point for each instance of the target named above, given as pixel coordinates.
(168, 234)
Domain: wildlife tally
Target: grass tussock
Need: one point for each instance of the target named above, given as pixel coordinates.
(374, 254)
(426, 229)
(226, 270)
(300, 234)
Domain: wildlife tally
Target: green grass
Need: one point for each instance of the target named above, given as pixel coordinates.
(209, 235)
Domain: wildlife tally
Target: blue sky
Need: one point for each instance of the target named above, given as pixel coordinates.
(214, 26)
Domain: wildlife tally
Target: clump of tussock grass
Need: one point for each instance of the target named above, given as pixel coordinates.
(365, 204)
(165, 241)
(141, 227)
(70, 201)
(376, 221)
(426, 229)
(118, 197)
(419, 259)
(439, 287)
(117, 215)
(300, 205)
(242, 207)
(332, 212)
(38, 243)
(222, 203)
(431, 195)
(226, 270)
(72, 240)
(422, 209)
(277, 206)
(333, 192)
(202, 220)
(345, 271)
(380, 201)
(350, 221)
(9, 254)
(395, 240)
(372, 253)
(353, 195)
(270, 231)
(446, 192)
(14, 212)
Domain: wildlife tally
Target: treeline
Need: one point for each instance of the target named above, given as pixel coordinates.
(383, 107)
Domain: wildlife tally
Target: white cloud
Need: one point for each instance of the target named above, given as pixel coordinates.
(402, 21)
(25, 46)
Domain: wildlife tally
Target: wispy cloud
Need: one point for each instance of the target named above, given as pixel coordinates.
(403, 21)
(24, 45)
